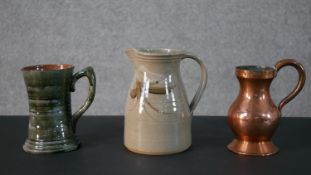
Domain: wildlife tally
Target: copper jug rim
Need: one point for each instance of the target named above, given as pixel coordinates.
(255, 72)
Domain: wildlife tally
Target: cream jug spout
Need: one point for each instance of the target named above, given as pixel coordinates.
(130, 52)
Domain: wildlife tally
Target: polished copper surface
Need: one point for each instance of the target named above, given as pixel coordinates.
(253, 117)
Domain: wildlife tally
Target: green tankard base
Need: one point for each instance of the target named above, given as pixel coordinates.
(40, 147)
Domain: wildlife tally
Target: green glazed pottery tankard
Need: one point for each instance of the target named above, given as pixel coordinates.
(52, 126)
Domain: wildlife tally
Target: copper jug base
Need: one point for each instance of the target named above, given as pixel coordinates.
(253, 148)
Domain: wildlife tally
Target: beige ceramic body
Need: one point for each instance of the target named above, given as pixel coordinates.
(157, 113)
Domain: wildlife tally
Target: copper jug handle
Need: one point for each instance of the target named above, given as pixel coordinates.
(203, 82)
(302, 77)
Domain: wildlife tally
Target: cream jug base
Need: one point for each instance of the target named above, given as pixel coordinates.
(156, 153)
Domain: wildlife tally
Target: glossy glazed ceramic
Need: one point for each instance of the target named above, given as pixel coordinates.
(157, 113)
(253, 117)
(51, 125)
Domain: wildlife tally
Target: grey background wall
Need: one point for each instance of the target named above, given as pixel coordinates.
(224, 33)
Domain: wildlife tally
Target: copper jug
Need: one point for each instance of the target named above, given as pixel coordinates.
(253, 117)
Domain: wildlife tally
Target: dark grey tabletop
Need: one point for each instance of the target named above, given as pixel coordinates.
(102, 151)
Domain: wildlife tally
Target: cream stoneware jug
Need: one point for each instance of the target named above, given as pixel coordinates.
(157, 113)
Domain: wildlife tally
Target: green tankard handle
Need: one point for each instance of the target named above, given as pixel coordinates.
(90, 74)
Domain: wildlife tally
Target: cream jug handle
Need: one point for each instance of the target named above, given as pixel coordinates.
(203, 82)
(302, 77)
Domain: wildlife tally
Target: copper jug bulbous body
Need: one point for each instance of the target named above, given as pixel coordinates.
(253, 117)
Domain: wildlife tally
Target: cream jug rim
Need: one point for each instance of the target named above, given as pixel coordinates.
(155, 53)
